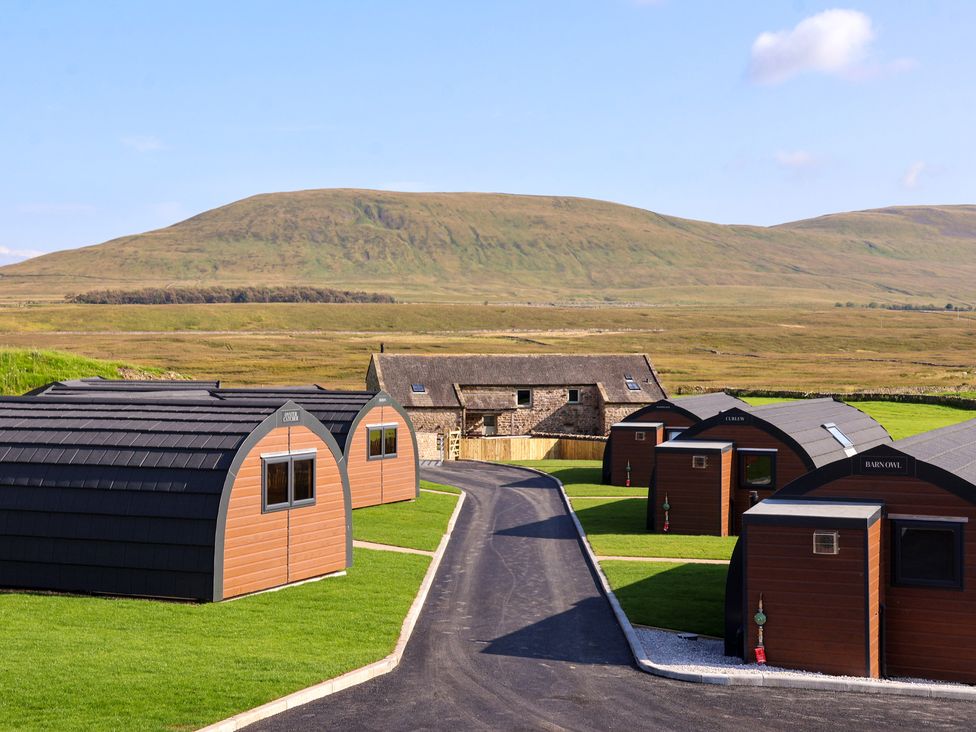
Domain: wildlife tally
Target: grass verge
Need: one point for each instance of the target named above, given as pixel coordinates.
(580, 477)
(689, 597)
(431, 486)
(418, 524)
(82, 663)
(616, 527)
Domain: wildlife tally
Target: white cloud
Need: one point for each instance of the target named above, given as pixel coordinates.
(832, 42)
(56, 209)
(19, 253)
(796, 159)
(142, 143)
(910, 179)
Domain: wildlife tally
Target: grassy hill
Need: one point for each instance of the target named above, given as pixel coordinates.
(23, 369)
(477, 246)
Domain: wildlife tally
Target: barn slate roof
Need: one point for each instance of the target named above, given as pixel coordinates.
(804, 420)
(701, 406)
(97, 495)
(337, 410)
(441, 374)
(951, 448)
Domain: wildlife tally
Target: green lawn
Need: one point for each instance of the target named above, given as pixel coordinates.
(616, 527)
(689, 597)
(580, 477)
(23, 369)
(904, 420)
(899, 418)
(82, 663)
(418, 524)
(439, 487)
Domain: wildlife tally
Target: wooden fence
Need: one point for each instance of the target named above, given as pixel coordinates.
(502, 449)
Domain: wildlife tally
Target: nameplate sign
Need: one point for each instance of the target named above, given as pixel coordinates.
(735, 418)
(289, 416)
(884, 464)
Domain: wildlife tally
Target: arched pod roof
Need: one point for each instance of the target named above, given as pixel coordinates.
(339, 411)
(697, 407)
(945, 457)
(101, 495)
(820, 430)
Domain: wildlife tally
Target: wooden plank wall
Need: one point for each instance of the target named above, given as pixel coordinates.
(504, 449)
(372, 482)
(814, 603)
(698, 497)
(263, 550)
(928, 630)
(640, 454)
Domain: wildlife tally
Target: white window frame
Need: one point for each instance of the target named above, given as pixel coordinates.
(834, 537)
(699, 462)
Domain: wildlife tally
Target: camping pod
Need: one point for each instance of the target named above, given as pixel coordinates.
(176, 498)
(866, 566)
(769, 446)
(374, 432)
(675, 415)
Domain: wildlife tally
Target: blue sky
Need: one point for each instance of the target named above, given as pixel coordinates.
(119, 117)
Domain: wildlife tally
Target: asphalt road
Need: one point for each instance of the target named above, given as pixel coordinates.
(517, 636)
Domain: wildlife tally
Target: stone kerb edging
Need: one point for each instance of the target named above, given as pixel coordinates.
(759, 678)
(359, 675)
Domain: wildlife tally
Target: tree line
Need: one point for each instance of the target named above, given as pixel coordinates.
(197, 295)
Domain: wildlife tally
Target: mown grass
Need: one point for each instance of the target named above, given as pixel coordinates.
(23, 369)
(81, 663)
(688, 597)
(431, 486)
(617, 527)
(901, 419)
(417, 524)
(580, 477)
(904, 420)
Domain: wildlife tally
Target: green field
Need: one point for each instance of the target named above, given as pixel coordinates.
(617, 527)
(899, 418)
(83, 663)
(24, 369)
(417, 524)
(688, 597)
(815, 348)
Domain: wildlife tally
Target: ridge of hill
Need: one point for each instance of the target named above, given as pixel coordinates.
(515, 248)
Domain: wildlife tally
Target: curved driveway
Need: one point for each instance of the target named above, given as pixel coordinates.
(516, 635)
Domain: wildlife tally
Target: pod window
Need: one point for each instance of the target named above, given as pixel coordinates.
(382, 441)
(757, 469)
(926, 553)
(674, 433)
(288, 481)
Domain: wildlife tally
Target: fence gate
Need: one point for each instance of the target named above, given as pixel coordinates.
(454, 445)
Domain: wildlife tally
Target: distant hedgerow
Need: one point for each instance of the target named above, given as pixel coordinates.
(196, 295)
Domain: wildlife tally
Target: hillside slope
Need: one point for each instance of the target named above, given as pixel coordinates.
(24, 369)
(473, 246)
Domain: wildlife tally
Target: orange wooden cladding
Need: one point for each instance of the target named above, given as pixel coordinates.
(263, 550)
(372, 482)
(928, 631)
(699, 498)
(625, 447)
(815, 604)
